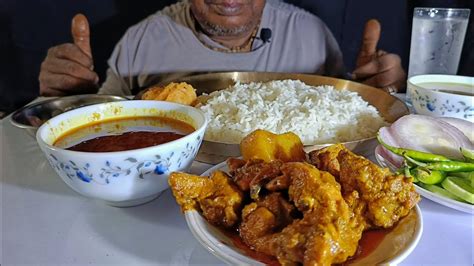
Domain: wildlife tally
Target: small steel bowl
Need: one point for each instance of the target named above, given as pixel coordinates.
(32, 116)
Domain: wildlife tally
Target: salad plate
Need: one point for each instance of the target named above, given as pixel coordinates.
(450, 203)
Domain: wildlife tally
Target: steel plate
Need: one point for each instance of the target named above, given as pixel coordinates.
(389, 106)
(31, 117)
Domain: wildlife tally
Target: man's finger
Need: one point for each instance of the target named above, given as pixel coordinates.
(378, 65)
(46, 91)
(68, 67)
(394, 77)
(66, 83)
(370, 38)
(380, 80)
(381, 53)
(81, 33)
(70, 52)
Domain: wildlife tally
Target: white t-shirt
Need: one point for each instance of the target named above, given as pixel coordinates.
(166, 45)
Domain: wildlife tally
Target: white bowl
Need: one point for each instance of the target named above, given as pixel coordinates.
(124, 178)
(442, 95)
(396, 245)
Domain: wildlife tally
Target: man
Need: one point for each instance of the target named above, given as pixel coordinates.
(214, 35)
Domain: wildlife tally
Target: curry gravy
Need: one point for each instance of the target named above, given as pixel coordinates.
(123, 134)
(369, 242)
(446, 87)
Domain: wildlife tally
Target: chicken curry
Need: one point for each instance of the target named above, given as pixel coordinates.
(298, 210)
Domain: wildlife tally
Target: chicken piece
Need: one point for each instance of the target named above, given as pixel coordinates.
(389, 197)
(266, 146)
(328, 232)
(243, 172)
(235, 163)
(280, 206)
(326, 158)
(217, 197)
(312, 241)
(265, 217)
(174, 92)
(382, 198)
(306, 183)
(254, 174)
(358, 207)
(257, 222)
(278, 183)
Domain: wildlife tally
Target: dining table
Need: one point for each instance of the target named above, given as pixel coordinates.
(44, 222)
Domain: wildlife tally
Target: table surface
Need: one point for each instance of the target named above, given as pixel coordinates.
(43, 221)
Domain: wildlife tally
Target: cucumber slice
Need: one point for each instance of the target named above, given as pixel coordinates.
(440, 191)
(459, 187)
(468, 154)
(469, 176)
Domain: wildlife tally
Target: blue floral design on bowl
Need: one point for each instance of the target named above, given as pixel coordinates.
(110, 173)
(434, 103)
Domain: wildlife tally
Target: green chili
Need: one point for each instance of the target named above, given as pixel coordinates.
(405, 170)
(451, 166)
(413, 161)
(409, 175)
(417, 155)
(427, 176)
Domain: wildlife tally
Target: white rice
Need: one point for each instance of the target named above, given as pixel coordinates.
(318, 115)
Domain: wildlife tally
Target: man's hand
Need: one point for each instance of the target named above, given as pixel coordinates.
(378, 68)
(68, 68)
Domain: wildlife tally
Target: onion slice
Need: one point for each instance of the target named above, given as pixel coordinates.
(465, 126)
(428, 134)
(388, 138)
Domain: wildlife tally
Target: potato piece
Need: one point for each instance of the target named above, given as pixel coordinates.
(266, 146)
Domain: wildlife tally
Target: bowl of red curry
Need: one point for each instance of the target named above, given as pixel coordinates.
(122, 152)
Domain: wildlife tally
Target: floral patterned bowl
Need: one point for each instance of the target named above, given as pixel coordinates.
(442, 95)
(124, 178)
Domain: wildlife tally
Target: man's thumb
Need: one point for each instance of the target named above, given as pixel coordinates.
(81, 34)
(370, 38)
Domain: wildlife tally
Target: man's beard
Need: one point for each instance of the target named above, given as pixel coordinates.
(217, 30)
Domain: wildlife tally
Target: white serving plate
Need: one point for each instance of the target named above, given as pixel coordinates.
(454, 204)
(393, 249)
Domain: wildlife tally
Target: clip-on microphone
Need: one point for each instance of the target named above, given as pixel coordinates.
(265, 36)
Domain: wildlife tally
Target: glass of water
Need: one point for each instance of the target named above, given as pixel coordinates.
(437, 37)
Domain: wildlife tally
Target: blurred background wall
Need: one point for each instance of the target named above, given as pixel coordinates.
(29, 28)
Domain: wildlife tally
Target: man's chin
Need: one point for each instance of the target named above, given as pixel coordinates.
(226, 32)
(226, 29)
